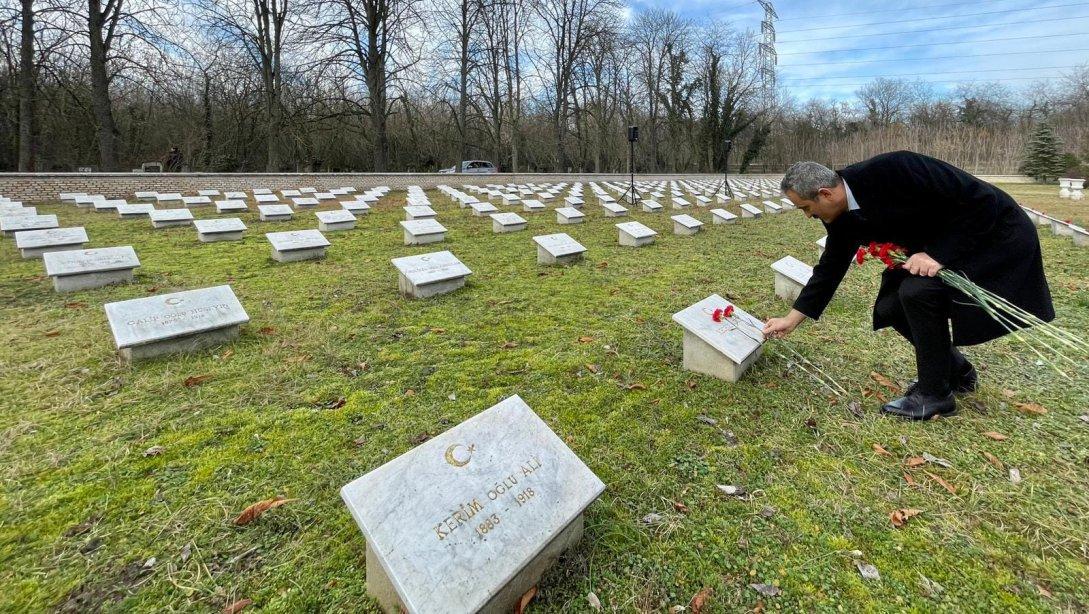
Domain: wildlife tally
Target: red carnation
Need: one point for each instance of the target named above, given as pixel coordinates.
(729, 311)
(873, 248)
(860, 256)
(716, 315)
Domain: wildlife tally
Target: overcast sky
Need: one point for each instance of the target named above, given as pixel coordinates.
(952, 40)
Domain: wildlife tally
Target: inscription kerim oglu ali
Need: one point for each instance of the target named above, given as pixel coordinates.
(502, 492)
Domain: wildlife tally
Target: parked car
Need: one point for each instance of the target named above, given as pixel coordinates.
(480, 167)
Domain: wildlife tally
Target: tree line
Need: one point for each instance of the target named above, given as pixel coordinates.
(418, 85)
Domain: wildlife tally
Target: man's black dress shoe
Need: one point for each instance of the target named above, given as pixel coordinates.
(919, 406)
(964, 382)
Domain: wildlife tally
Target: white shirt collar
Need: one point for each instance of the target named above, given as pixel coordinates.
(852, 204)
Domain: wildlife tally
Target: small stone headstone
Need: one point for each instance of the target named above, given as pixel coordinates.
(13, 224)
(234, 195)
(680, 203)
(423, 231)
(197, 201)
(128, 211)
(569, 215)
(651, 206)
(340, 219)
(685, 225)
(221, 229)
(821, 244)
(634, 234)
(532, 205)
(303, 202)
(231, 205)
(296, 245)
(574, 201)
(419, 212)
(613, 209)
(771, 207)
(427, 275)
(265, 198)
(724, 349)
(498, 497)
(356, 207)
(482, 209)
(507, 222)
(275, 213)
(165, 218)
(791, 275)
(180, 322)
(34, 243)
(90, 268)
(722, 216)
(558, 248)
(10, 209)
(748, 210)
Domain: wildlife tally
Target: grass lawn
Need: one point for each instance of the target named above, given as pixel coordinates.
(336, 374)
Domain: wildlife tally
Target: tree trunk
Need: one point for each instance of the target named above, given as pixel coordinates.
(28, 146)
(100, 89)
(206, 101)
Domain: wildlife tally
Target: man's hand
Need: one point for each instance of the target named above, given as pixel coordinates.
(922, 264)
(777, 328)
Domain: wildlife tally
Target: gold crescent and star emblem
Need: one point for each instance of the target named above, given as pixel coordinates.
(453, 460)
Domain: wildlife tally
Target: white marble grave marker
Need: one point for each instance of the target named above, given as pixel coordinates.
(165, 218)
(34, 243)
(558, 248)
(296, 245)
(482, 209)
(748, 210)
(498, 498)
(127, 211)
(634, 234)
(722, 216)
(419, 212)
(90, 268)
(685, 225)
(220, 229)
(304, 202)
(427, 275)
(791, 275)
(13, 224)
(507, 222)
(569, 215)
(423, 231)
(339, 219)
(613, 209)
(356, 207)
(723, 349)
(771, 207)
(275, 213)
(231, 205)
(175, 323)
(651, 206)
(532, 205)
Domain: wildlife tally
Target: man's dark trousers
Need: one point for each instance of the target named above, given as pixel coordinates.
(919, 310)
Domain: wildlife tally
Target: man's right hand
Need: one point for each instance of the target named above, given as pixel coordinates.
(777, 328)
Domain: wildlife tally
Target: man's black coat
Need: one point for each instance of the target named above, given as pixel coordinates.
(966, 224)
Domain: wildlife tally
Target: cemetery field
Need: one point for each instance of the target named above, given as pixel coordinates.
(121, 484)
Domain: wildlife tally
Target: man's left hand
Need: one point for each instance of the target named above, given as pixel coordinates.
(922, 264)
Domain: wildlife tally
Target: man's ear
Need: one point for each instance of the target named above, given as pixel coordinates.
(825, 192)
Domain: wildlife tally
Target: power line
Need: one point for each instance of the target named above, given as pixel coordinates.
(867, 13)
(969, 42)
(989, 25)
(919, 74)
(900, 21)
(937, 57)
(957, 81)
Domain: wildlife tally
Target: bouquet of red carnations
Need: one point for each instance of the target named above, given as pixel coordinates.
(1038, 335)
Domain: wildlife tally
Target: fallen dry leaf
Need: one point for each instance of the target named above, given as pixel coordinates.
(901, 516)
(410, 393)
(75, 305)
(995, 436)
(154, 451)
(885, 381)
(691, 384)
(586, 339)
(1009, 394)
(420, 438)
(523, 601)
(930, 458)
(680, 507)
(254, 511)
(767, 590)
(992, 459)
(944, 484)
(881, 451)
(910, 481)
(602, 264)
(236, 607)
(700, 600)
(510, 345)
(227, 354)
(196, 380)
(868, 571)
(266, 330)
(595, 603)
(1031, 408)
(591, 368)
(438, 331)
(637, 386)
(52, 333)
(915, 461)
(1015, 476)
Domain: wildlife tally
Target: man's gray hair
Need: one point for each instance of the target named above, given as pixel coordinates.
(805, 178)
